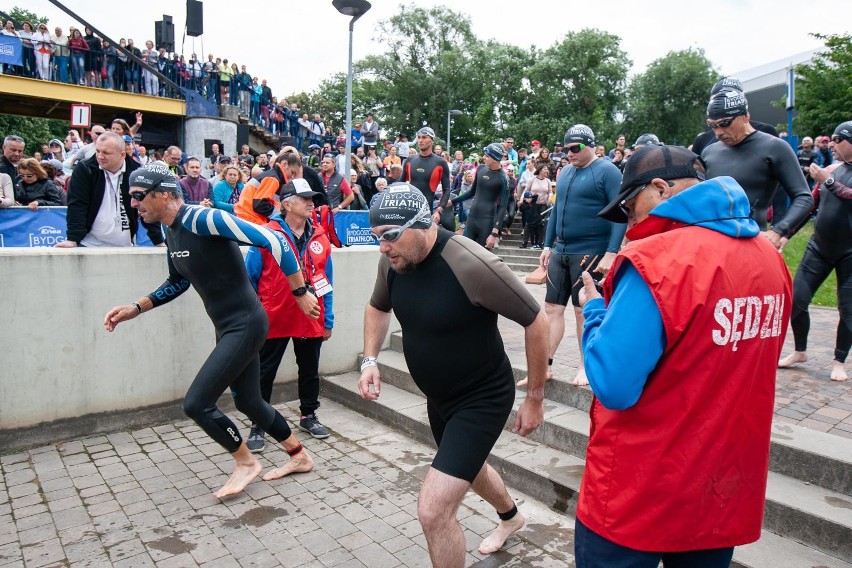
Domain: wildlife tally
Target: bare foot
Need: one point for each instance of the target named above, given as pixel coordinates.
(580, 378)
(523, 382)
(792, 359)
(838, 371)
(504, 530)
(300, 463)
(243, 474)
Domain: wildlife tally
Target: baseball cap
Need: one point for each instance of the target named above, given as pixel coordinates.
(580, 134)
(535, 143)
(646, 164)
(127, 138)
(298, 187)
(223, 159)
(271, 153)
(527, 194)
(54, 142)
(398, 204)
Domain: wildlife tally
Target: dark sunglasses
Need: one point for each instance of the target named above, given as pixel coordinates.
(724, 123)
(139, 195)
(837, 139)
(575, 149)
(393, 235)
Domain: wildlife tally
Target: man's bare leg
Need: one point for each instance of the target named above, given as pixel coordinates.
(489, 485)
(437, 509)
(792, 359)
(838, 371)
(299, 462)
(580, 378)
(556, 317)
(246, 470)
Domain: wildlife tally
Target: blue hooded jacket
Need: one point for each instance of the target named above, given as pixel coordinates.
(623, 343)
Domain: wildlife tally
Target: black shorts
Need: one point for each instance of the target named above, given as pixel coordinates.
(563, 274)
(466, 435)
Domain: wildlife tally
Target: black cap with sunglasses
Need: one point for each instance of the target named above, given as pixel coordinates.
(154, 177)
(649, 163)
(842, 132)
(579, 133)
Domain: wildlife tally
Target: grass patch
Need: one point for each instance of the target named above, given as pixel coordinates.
(827, 293)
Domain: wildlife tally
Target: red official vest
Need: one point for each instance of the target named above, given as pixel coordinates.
(685, 468)
(285, 317)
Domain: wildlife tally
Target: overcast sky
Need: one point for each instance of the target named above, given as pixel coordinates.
(294, 45)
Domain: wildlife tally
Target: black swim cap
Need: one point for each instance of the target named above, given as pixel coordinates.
(398, 204)
(844, 130)
(155, 177)
(727, 83)
(494, 151)
(727, 102)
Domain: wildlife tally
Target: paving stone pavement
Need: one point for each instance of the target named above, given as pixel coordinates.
(144, 498)
(804, 395)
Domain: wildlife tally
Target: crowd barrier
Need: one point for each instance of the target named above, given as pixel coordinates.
(20, 227)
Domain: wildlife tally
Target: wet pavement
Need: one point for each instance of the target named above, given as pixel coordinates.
(804, 395)
(144, 498)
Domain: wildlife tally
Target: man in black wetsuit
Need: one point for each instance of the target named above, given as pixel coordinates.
(759, 162)
(830, 248)
(204, 252)
(468, 388)
(708, 136)
(490, 193)
(426, 171)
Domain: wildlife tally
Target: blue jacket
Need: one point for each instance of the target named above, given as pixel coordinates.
(618, 360)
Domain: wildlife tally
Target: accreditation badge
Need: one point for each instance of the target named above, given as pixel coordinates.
(321, 285)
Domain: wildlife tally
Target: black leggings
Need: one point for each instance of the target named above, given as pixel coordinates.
(812, 272)
(234, 363)
(478, 228)
(307, 351)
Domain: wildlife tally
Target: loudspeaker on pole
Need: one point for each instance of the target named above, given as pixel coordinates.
(194, 18)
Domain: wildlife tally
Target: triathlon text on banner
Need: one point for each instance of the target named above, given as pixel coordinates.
(353, 228)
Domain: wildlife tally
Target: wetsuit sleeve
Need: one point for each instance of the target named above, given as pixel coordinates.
(840, 190)
(254, 266)
(488, 282)
(504, 203)
(617, 374)
(381, 292)
(328, 299)
(612, 182)
(216, 223)
(469, 193)
(446, 184)
(174, 286)
(791, 178)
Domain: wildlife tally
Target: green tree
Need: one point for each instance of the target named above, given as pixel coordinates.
(34, 131)
(20, 15)
(823, 90)
(580, 79)
(670, 97)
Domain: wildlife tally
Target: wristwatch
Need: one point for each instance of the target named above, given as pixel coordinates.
(829, 181)
(300, 291)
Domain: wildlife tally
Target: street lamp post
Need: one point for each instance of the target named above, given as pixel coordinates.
(450, 113)
(356, 9)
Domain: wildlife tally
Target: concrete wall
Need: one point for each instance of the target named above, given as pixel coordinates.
(199, 128)
(60, 365)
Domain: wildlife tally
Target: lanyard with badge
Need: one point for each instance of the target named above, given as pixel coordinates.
(319, 280)
(116, 194)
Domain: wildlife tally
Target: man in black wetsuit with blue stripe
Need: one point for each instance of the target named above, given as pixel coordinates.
(203, 251)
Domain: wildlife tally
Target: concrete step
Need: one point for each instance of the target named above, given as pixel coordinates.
(545, 473)
(803, 510)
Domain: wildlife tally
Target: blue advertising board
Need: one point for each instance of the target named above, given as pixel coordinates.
(20, 227)
(11, 51)
(353, 228)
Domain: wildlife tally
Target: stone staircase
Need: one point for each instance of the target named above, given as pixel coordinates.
(516, 258)
(808, 514)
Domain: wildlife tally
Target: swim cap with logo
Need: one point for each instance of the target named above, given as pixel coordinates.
(494, 151)
(398, 204)
(155, 177)
(580, 134)
(727, 83)
(725, 103)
